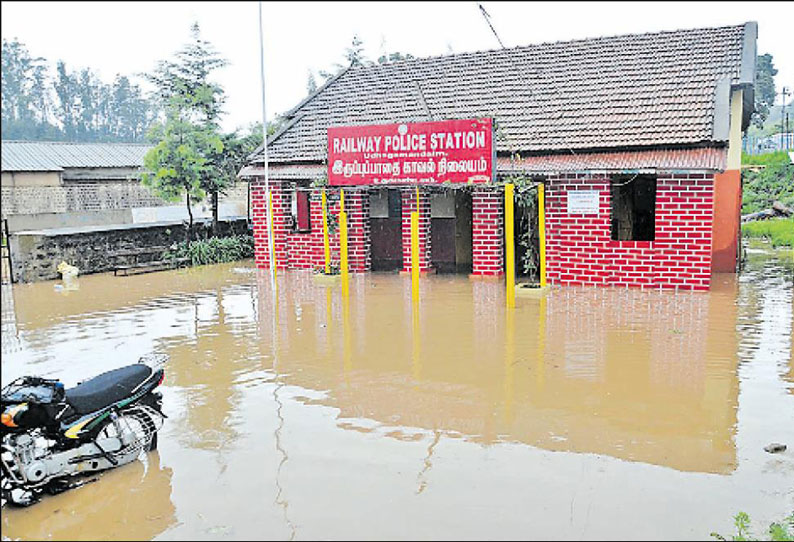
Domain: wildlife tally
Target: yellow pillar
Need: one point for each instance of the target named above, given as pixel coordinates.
(542, 233)
(326, 244)
(510, 247)
(415, 255)
(273, 253)
(343, 245)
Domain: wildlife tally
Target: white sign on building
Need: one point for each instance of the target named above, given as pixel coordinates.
(583, 202)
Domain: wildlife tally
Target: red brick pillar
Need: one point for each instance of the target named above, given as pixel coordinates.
(259, 217)
(358, 240)
(409, 206)
(487, 232)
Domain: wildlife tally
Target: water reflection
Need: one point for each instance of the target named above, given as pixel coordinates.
(140, 512)
(333, 416)
(646, 376)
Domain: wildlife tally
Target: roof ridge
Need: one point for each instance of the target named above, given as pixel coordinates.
(546, 43)
(76, 142)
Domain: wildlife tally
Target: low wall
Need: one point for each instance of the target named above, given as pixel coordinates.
(36, 254)
(85, 196)
(46, 221)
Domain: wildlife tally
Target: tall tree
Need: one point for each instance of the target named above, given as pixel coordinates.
(186, 158)
(26, 101)
(353, 55)
(765, 73)
(311, 83)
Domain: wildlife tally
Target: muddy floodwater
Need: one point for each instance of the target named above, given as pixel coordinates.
(587, 413)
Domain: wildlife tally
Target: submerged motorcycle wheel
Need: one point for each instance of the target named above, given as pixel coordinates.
(144, 433)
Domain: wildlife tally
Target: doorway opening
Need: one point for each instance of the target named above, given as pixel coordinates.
(451, 231)
(385, 212)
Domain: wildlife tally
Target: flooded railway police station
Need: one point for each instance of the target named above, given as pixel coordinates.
(625, 151)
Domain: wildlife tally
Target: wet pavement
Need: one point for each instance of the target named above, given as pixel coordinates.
(587, 413)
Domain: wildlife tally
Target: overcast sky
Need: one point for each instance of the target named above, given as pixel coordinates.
(130, 37)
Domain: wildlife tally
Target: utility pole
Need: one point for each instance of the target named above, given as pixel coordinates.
(783, 118)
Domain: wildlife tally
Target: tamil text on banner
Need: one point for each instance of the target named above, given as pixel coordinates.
(456, 151)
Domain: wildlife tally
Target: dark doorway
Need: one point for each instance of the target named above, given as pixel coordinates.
(385, 211)
(633, 208)
(451, 231)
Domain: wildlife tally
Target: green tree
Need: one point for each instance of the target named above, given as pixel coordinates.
(765, 73)
(311, 83)
(26, 101)
(394, 57)
(353, 56)
(187, 157)
(131, 113)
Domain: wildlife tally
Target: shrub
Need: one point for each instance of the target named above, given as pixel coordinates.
(774, 182)
(778, 532)
(213, 250)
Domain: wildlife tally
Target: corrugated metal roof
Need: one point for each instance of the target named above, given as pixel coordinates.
(654, 89)
(56, 156)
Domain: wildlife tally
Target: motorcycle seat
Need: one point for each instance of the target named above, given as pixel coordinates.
(107, 388)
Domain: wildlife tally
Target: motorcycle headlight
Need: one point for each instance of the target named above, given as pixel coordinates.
(10, 415)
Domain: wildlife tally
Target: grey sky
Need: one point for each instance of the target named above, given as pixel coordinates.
(129, 37)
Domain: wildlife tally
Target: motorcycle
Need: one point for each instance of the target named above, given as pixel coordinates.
(51, 437)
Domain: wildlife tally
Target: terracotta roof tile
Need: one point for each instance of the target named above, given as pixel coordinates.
(638, 90)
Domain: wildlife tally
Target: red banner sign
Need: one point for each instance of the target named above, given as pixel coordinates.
(457, 151)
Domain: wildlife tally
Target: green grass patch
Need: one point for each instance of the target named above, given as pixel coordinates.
(775, 182)
(778, 231)
(213, 250)
(778, 157)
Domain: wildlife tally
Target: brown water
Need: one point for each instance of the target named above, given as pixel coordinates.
(590, 413)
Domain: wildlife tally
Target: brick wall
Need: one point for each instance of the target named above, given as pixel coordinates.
(580, 251)
(487, 232)
(304, 250)
(409, 206)
(259, 219)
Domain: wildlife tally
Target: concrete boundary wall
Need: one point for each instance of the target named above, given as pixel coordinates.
(36, 254)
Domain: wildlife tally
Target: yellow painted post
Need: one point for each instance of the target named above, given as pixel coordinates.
(510, 247)
(273, 244)
(326, 244)
(343, 245)
(415, 255)
(542, 233)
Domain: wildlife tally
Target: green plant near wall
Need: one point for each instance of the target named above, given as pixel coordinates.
(526, 200)
(778, 532)
(213, 250)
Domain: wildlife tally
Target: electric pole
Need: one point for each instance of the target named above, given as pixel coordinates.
(784, 118)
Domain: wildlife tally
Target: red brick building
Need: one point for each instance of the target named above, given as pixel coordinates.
(636, 138)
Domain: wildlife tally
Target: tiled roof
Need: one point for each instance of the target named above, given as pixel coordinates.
(706, 159)
(625, 91)
(710, 159)
(56, 156)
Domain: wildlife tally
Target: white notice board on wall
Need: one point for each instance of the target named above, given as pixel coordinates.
(583, 202)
